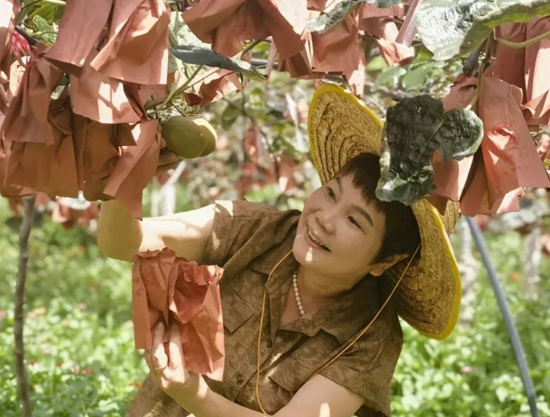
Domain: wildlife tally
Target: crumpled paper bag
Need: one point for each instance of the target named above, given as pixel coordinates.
(117, 44)
(136, 166)
(170, 290)
(530, 69)
(82, 26)
(9, 191)
(96, 150)
(492, 180)
(27, 116)
(380, 23)
(130, 40)
(49, 168)
(101, 98)
(136, 50)
(509, 153)
(214, 22)
(335, 51)
(214, 87)
(8, 11)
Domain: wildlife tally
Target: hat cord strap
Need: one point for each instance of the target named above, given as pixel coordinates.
(344, 350)
(260, 327)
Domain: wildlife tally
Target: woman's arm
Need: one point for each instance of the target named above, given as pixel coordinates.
(319, 397)
(121, 236)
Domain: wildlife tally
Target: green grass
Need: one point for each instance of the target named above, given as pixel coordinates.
(78, 330)
(474, 373)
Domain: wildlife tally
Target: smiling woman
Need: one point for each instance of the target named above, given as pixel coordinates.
(346, 232)
(310, 299)
(402, 234)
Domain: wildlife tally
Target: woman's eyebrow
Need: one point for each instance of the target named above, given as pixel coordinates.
(355, 206)
(364, 213)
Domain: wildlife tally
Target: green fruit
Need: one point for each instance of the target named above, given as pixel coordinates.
(189, 138)
(211, 136)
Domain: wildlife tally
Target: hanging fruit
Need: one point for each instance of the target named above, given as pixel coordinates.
(189, 138)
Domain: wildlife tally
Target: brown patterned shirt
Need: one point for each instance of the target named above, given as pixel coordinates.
(248, 239)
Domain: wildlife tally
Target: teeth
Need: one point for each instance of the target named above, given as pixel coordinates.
(315, 240)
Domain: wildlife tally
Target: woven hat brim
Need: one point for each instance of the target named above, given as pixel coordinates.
(341, 127)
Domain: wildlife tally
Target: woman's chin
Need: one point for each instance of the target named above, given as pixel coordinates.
(307, 253)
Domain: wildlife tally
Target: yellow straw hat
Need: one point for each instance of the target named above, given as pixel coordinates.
(428, 297)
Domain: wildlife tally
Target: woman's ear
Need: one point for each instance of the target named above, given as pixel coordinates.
(379, 268)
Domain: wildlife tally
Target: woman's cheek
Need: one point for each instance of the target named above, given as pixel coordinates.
(352, 245)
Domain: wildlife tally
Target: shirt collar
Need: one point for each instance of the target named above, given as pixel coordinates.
(347, 314)
(278, 285)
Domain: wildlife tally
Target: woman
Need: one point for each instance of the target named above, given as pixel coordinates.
(310, 300)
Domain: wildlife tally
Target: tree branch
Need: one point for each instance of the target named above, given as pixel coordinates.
(396, 95)
(252, 45)
(408, 29)
(472, 62)
(19, 320)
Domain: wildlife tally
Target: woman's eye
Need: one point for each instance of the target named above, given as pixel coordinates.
(354, 222)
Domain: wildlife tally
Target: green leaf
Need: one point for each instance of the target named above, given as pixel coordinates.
(191, 54)
(389, 77)
(416, 78)
(180, 34)
(51, 11)
(415, 128)
(44, 31)
(183, 33)
(449, 27)
(341, 10)
(376, 63)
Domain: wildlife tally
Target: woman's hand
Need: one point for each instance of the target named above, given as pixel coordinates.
(167, 161)
(168, 369)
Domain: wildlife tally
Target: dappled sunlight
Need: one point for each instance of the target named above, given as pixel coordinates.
(324, 410)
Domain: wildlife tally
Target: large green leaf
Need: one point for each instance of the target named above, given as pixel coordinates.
(341, 10)
(192, 54)
(415, 128)
(449, 27)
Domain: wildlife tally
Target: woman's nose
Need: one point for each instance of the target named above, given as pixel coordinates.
(326, 220)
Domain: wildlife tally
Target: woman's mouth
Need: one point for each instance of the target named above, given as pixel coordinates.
(315, 241)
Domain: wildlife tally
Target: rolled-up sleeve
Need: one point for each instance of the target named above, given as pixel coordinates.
(243, 230)
(222, 236)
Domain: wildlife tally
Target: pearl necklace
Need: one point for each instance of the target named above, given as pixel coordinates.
(297, 293)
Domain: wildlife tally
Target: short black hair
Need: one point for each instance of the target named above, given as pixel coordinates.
(402, 234)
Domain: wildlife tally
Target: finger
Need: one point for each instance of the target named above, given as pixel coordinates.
(166, 156)
(166, 167)
(159, 358)
(147, 356)
(177, 360)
